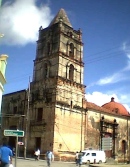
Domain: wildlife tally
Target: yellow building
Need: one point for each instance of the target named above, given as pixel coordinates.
(3, 63)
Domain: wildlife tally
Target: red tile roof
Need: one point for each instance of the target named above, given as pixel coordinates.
(116, 107)
(110, 108)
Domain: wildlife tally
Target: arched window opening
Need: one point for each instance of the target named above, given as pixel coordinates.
(71, 51)
(48, 48)
(71, 72)
(124, 146)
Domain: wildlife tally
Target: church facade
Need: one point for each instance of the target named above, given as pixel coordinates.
(53, 111)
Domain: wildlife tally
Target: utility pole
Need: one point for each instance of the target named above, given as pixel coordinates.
(27, 120)
(81, 130)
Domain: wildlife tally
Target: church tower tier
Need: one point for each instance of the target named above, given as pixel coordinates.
(57, 85)
(59, 59)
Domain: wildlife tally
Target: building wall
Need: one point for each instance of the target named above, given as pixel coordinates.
(93, 130)
(63, 125)
(67, 130)
(3, 63)
(13, 109)
(93, 136)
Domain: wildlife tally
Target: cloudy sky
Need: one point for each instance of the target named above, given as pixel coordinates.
(105, 26)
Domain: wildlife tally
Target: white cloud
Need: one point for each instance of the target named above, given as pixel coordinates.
(100, 98)
(127, 107)
(126, 49)
(116, 77)
(121, 75)
(127, 68)
(21, 19)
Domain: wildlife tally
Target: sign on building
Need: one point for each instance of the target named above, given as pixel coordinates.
(107, 143)
(20, 143)
(14, 133)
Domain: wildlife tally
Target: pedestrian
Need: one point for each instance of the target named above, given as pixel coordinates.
(37, 154)
(49, 158)
(76, 158)
(5, 154)
(80, 154)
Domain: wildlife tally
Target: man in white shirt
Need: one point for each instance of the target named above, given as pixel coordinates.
(37, 154)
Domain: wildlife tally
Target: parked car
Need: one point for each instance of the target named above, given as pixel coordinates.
(93, 156)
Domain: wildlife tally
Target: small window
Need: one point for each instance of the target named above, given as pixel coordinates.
(15, 110)
(93, 154)
(71, 51)
(71, 72)
(87, 154)
(83, 153)
(39, 114)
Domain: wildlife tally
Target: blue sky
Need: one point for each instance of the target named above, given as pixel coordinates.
(106, 36)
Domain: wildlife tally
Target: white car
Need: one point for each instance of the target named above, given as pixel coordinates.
(93, 156)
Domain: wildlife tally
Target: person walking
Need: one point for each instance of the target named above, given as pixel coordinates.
(37, 154)
(80, 154)
(5, 154)
(76, 158)
(49, 158)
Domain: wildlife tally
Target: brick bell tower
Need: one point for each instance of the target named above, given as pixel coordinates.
(57, 90)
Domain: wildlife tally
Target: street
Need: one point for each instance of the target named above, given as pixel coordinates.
(42, 163)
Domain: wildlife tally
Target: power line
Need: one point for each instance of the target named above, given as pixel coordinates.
(88, 61)
(100, 58)
(103, 51)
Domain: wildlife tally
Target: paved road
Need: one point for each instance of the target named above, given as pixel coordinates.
(110, 165)
(42, 163)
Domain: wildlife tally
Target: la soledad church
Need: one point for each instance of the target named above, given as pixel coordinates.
(53, 112)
